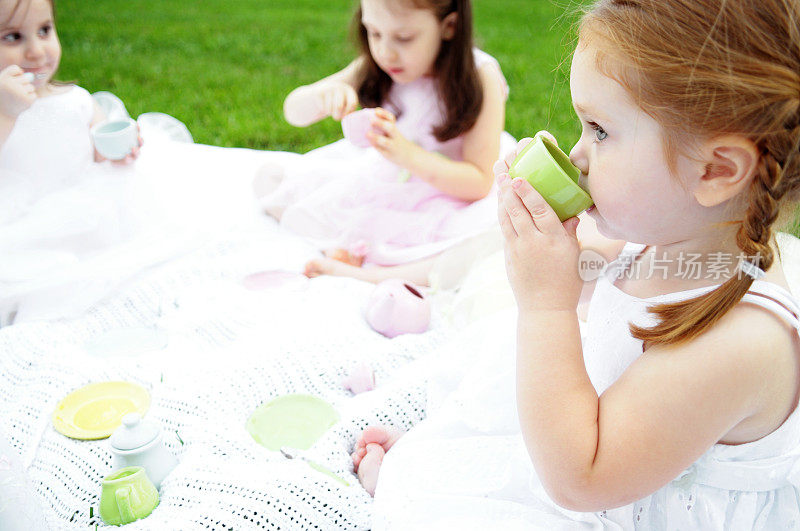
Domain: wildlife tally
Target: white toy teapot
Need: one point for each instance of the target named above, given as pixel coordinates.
(140, 443)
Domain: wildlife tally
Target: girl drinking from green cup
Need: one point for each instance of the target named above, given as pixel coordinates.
(678, 409)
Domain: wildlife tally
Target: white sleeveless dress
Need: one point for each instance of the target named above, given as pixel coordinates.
(71, 229)
(466, 466)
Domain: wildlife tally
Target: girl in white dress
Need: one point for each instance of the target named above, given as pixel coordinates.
(62, 207)
(678, 410)
(30, 53)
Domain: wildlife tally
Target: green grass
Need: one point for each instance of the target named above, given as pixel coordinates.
(223, 67)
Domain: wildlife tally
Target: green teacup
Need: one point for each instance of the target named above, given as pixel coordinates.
(127, 495)
(550, 172)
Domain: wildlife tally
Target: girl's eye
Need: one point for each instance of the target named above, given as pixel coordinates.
(11, 37)
(45, 31)
(599, 132)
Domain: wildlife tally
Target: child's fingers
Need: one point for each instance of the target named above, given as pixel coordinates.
(13, 70)
(384, 114)
(506, 227)
(499, 168)
(517, 212)
(384, 126)
(571, 226)
(542, 215)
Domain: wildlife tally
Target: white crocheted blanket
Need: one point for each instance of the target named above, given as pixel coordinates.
(228, 351)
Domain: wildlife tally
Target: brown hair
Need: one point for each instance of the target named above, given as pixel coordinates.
(702, 68)
(458, 85)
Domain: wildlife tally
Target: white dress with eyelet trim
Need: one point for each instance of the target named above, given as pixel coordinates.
(466, 465)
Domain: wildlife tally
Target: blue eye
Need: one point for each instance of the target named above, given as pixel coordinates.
(599, 132)
(11, 37)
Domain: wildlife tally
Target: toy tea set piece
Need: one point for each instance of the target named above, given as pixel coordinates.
(355, 126)
(360, 380)
(141, 443)
(551, 173)
(291, 423)
(116, 139)
(95, 410)
(127, 495)
(398, 307)
(295, 420)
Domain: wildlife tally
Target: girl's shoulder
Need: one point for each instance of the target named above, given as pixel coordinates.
(757, 345)
(488, 66)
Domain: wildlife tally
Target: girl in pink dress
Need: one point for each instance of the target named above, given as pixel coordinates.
(421, 185)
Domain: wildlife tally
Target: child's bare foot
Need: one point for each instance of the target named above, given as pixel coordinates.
(338, 262)
(328, 266)
(345, 256)
(368, 454)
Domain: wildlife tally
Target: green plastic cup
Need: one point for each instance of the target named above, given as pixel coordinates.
(127, 495)
(550, 172)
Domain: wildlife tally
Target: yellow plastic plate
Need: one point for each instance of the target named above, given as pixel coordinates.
(96, 410)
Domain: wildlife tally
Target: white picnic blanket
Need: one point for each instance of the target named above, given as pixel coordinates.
(229, 350)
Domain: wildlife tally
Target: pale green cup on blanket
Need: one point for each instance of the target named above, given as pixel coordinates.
(127, 495)
(551, 173)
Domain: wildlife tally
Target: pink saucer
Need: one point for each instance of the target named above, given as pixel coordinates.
(355, 126)
(274, 279)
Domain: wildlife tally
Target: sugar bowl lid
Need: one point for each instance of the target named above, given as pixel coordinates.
(133, 433)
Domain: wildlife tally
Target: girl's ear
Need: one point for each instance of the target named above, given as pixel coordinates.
(449, 26)
(731, 163)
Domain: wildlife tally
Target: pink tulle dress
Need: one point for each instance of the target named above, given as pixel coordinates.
(343, 196)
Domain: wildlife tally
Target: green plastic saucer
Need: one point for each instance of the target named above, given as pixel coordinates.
(296, 421)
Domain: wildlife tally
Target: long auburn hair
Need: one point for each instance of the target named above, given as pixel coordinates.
(702, 68)
(458, 85)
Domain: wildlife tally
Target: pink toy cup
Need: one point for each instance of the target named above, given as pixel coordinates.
(360, 379)
(398, 307)
(355, 126)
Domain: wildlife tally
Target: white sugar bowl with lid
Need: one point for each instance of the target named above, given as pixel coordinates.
(138, 442)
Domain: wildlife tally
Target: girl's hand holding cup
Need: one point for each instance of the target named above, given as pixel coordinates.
(118, 141)
(541, 252)
(336, 99)
(388, 140)
(17, 92)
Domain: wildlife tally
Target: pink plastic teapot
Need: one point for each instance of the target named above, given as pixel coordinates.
(398, 307)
